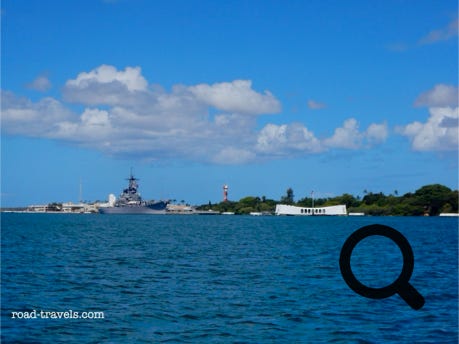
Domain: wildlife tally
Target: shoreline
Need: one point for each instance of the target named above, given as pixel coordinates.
(210, 213)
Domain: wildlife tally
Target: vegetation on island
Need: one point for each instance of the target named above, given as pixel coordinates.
(428, 200)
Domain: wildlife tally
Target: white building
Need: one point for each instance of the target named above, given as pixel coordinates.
(37, 208)
(284, 209)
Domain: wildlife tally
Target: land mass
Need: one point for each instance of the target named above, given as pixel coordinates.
(429, 200)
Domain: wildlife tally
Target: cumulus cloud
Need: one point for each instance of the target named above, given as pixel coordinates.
(105, 85)
(237, 96)
(123, 115)
(131, 78)
(441, 95)
(21, 116)
(93, 125)
(285, 139)
(296, 139)
(439, 133)
(41, 84)
(376, 133)
(313, 105)
(349, 137)
(442, 34)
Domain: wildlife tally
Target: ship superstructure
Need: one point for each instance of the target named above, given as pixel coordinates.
(130, 202)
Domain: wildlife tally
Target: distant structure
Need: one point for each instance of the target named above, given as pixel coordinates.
(111, 200)
(225, 193)
(285, 209)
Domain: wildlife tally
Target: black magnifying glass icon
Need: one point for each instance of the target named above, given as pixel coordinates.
(400, 286)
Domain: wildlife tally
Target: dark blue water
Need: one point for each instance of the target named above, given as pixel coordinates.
(222, 279)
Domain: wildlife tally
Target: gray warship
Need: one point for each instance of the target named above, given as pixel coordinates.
(130, 202)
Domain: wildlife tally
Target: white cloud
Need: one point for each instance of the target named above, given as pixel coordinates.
(106, 85)
(131, 78)
(313, 105)
(440, 95)
(237, 96)
(95, 118)
(439, 133)
(271, 137)
(124, 116)
(41, 84)
(349, 137)
(93, 126)
(296, 139)
(442, 34)
(20, 116)
(376, 133)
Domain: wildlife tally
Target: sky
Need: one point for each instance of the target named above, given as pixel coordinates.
(326, 96)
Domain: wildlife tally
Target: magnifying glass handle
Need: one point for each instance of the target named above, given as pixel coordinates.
(411, 296)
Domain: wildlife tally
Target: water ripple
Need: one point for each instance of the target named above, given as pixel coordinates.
(174, 279)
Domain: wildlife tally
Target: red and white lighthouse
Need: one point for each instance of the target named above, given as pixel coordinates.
(225, 193)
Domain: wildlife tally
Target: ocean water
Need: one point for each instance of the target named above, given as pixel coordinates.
(221, 279)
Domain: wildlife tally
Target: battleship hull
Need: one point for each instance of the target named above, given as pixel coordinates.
(157, 208)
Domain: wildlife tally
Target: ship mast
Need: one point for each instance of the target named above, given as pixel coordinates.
(81, 192)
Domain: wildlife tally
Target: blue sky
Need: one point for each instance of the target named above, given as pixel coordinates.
(330, 96)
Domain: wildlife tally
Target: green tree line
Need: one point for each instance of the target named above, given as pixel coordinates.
(428, 200)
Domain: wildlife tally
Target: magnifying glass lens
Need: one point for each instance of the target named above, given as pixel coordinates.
(377, 261)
